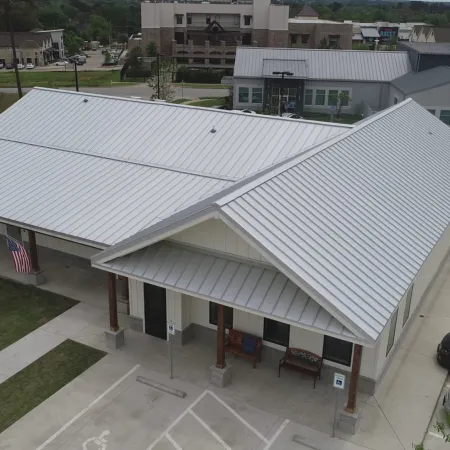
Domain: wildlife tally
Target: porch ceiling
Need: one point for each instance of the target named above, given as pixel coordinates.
(256, 288)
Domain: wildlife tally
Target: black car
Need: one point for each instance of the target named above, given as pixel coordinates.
(443, 352)
(8, 66)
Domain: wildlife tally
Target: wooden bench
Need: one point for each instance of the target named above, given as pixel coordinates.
(302, 361)
(244, 344)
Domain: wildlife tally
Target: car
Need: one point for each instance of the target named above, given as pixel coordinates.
(29, 66)
(9, 66)
(292, 116)
(443, 352)
(79, 62)
(61, 62)
(245, 111)
(20, 66)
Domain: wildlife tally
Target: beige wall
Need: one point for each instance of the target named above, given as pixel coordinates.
(318, 31)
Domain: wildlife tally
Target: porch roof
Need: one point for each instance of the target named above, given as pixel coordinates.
(241, 284)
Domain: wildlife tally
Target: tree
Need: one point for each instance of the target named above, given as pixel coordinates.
(134, 59)
(151, 49)
(162, 82)
(72, 42)
(107, 58)
(103, 37)
(341, 99)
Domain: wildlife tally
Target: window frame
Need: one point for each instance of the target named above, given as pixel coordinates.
(432, 111)
(347, 100)
(324, 97)
(229, 311)
(208, 20)
(304, 37)
(345, 360)
(407, 311)
(294, 38)
(336, 100)
(189, 19)
(258, 93)
(312, 97)
(392, 330)
(276, 340)
(177, 18)
(239, 94)
(446, 115)
(395, 100)
(247, 19)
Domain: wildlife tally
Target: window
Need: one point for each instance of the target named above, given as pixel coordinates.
(189, 19)
(407, 305)
(391, 337)
(276, 332)
(345, 97)
(337, 350)
(257, 95)
(214, 314)
(333, 40)
(247, 20)
(395, 100)
(179, 19)
(208, 19)
(320, 97)
(237, 20)
(332, 97)
(305, 38)
(294, 38)
(243, 95)
(445, 116)
(308, 97)
(432, 111)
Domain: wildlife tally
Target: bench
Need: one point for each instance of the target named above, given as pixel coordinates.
(302, 361)
(244, 344)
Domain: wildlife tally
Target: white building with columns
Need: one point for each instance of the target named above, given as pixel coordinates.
(308, 235)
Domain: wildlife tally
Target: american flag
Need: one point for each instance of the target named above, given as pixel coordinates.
(19, 254)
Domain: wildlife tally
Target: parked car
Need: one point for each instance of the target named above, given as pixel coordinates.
(292, 116)
(29, 66)
(110, 63)
(61, 62)
(20, 66)
(9, 66)
(443, 352)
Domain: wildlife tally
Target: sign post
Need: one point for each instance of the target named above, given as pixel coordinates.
(339, 385)
(170, 332)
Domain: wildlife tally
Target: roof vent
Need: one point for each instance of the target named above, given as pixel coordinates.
(213, 130)
(85, 100)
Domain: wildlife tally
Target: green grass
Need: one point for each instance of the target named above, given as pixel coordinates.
(25, 308)
(180, 100)
(61, 79)
(6, 100)
(208, 103)
(201, 86)
(31, 386)
(345, 118)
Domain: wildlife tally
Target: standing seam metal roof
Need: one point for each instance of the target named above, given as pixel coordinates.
(348, 65)
(421, 81)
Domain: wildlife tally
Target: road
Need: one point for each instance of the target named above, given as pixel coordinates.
(139, 90)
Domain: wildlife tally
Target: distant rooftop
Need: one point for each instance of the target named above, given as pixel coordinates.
(432, 48)
(421, 81)
(307, 11)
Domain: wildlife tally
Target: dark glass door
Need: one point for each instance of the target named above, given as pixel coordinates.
(155, 311)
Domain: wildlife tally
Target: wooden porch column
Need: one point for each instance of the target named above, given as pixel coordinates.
(33, 252)
(221, 337)
(356, 366)
(112, 296)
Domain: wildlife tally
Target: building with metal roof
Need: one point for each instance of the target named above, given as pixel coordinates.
(426, 55)
(421, 81)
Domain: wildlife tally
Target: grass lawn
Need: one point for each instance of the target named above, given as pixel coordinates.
(209, 102)
(61, 79)
(345, 118)
(180, 100)
(31, 386)
(200, 86)
(25, 308)
(6, 100)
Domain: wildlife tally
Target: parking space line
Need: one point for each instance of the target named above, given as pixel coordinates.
(172, 441)
(235, 414)
(435, 435)
(275, 436)
(177, 420)
(211, 431)
(93, 403)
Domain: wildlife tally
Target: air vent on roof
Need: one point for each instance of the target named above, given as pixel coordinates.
(85, 100)
(213, 130)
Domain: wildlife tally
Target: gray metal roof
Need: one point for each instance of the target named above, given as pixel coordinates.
(237, 283)
(421, 81)
(350, 221)
(370, 32)
(159, 134)
(432, 48)
(357, 65)
(298, 68)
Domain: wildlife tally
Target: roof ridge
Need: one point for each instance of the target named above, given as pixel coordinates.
(320, 50)
(127, 161)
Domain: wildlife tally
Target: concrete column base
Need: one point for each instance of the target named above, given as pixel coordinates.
(136, 323)
(115, 339)
(348, 422)
(220, 377)
(36, 278)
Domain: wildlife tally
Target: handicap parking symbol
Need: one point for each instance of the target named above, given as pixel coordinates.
(96, 443)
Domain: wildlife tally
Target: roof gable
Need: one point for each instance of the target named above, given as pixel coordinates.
(421, 81)
(307, 11)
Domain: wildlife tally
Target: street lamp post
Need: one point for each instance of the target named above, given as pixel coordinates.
(283, 74)
(158, 55)
(76, 76)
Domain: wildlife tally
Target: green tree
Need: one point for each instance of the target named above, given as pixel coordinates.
(107, 58)
(340, 99)
(162, 82)
(151, 48)
(72, 43)
(103, 37)
(134, 59)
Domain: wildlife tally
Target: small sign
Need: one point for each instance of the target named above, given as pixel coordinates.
(227, 81)
(339, 381)
(170, 328)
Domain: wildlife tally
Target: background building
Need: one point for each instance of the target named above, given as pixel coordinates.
(426, 55)
(57, 41)
(31, 47)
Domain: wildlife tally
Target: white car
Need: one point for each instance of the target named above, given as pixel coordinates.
(20, 66)
(30, 66)
(61, 63)
(292, 116)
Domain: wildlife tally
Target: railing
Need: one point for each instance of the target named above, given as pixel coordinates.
(366, 110)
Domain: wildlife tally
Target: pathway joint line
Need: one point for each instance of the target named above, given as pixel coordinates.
(238, 416)
(277, 433)
(210, 430)
(172, 441)
(85, 410)
(435, 435)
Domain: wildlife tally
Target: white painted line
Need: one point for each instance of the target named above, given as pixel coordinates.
(172, 441)
(93, 403)
(435, 435)
(177, 420)
(211, 431)
(275, 436)
(235, 414)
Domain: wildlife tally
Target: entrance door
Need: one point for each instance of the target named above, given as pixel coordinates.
(155, 311)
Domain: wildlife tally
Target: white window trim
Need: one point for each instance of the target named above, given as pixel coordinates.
(250, 95)
(327, 90)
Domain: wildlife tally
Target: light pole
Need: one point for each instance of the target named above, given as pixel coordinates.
(158, 55)
(283, 74)
(76, 76)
